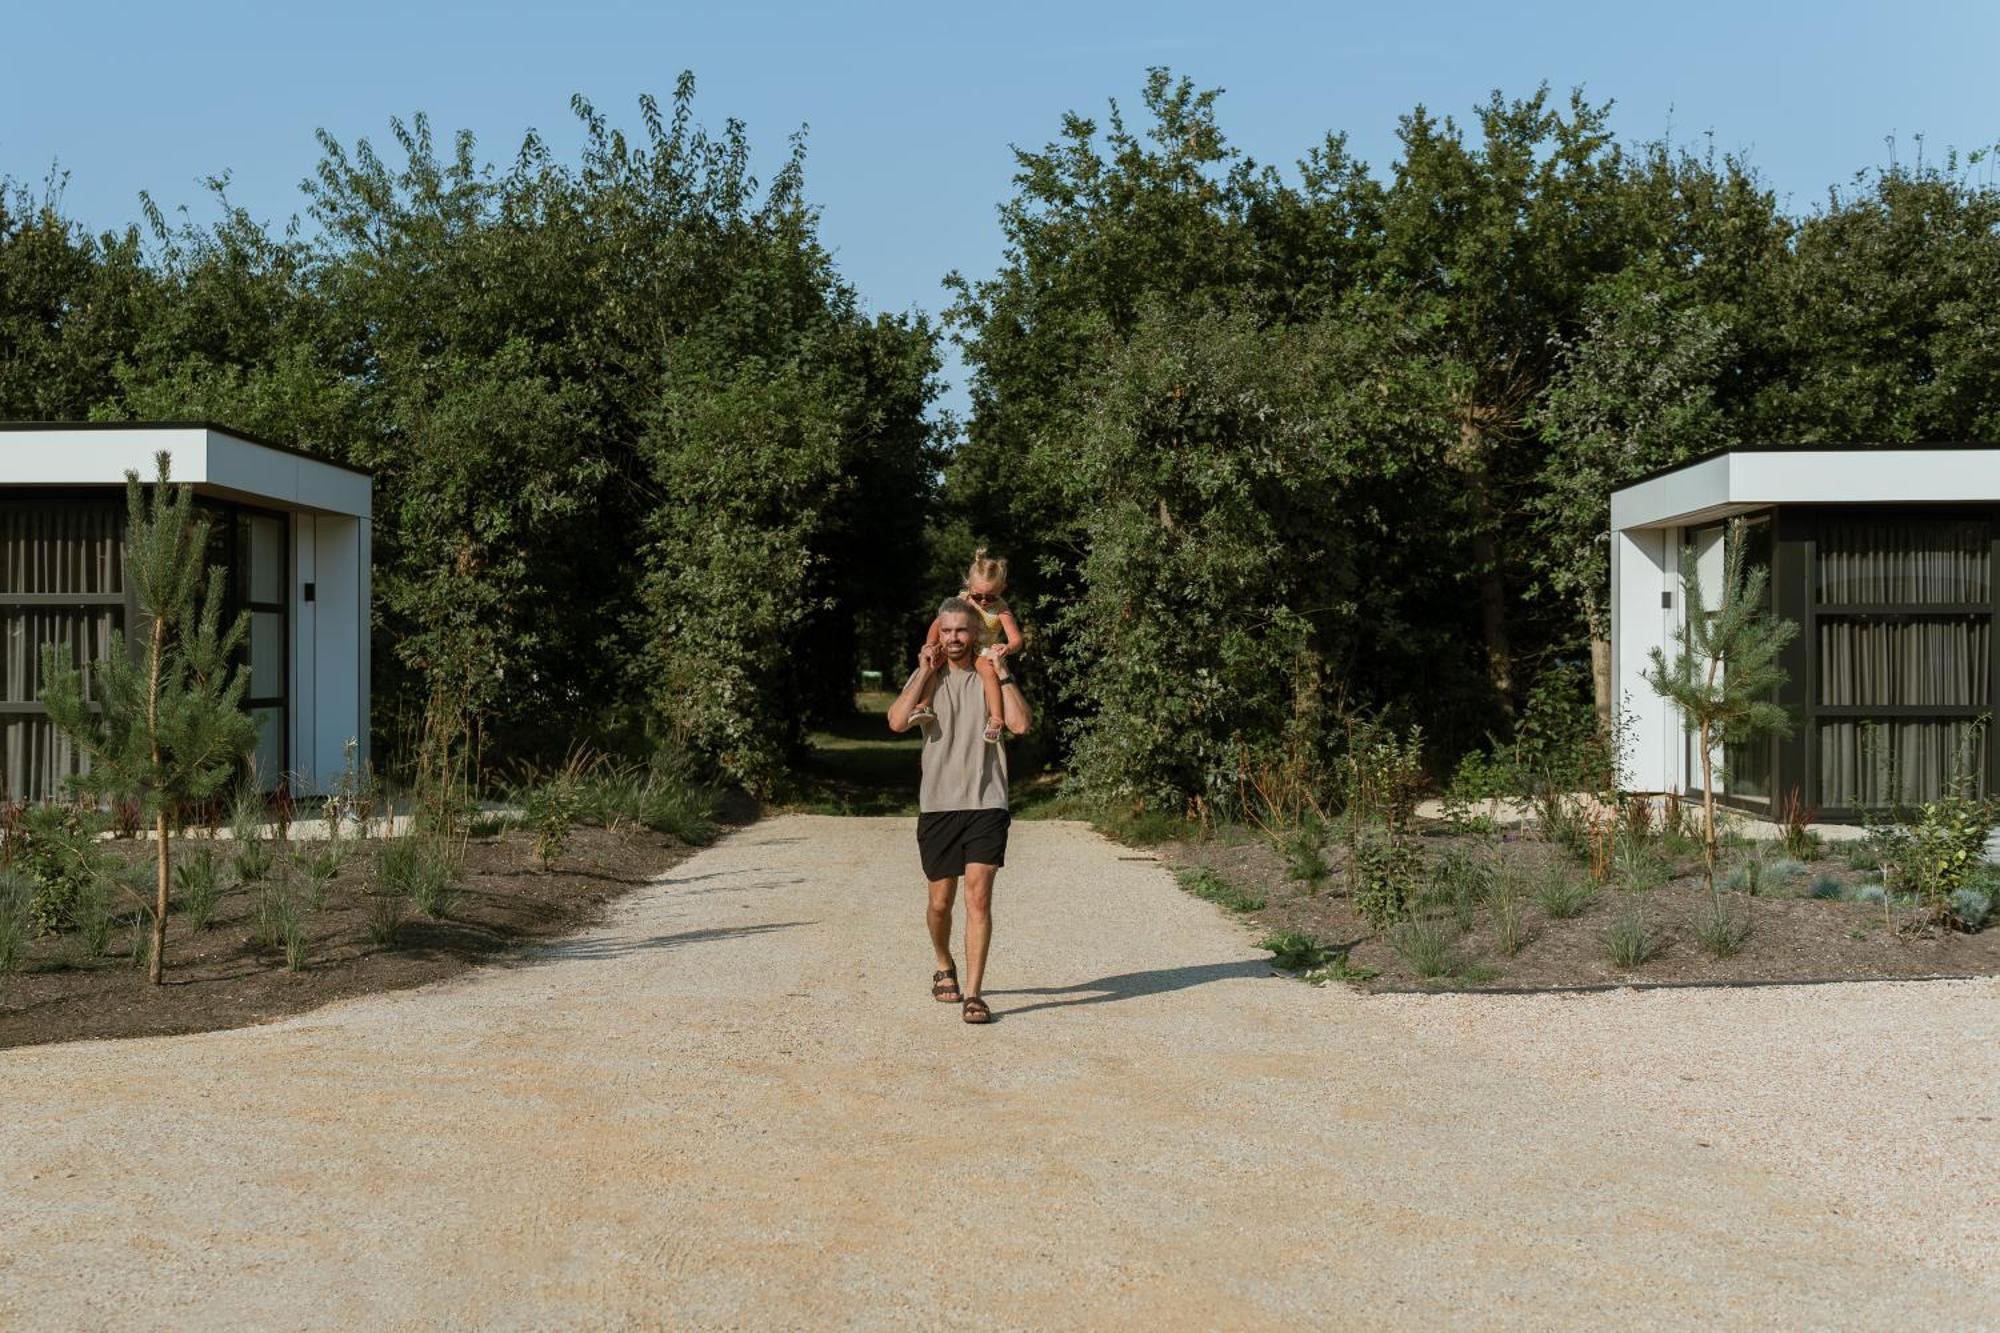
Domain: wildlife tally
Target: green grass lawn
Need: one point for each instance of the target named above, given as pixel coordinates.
(857, 766)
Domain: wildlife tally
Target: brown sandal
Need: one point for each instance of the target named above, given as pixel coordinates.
(944, 986)
(974, 1010)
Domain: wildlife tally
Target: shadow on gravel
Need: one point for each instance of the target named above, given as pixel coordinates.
(599, 949)
(1132, 985)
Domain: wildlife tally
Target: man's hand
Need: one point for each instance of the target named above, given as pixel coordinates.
(930, 657)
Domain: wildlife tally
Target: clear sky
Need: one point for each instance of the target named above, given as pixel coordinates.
(912, 107)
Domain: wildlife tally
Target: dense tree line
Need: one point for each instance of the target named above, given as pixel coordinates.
(1270, 450)
(644, 470)
(1288, 450)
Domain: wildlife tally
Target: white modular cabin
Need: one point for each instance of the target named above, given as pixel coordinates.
(291, 529)
(1884, 558)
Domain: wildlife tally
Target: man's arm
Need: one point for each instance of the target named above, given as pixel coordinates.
(1014, 710)
(913, 688)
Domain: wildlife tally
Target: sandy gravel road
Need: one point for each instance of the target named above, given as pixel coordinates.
(734, 1105)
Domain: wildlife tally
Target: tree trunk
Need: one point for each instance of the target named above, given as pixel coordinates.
(156, 965)
(1705, 736)
(1600, 682)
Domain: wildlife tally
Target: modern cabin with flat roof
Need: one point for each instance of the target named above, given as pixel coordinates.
(292, 531)
(1884, 558)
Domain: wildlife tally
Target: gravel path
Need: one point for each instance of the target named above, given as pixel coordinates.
(734, 1105)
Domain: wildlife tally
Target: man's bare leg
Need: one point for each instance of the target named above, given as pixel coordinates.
(978, 922)
(938, 918)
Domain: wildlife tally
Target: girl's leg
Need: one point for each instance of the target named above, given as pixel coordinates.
(989, 682)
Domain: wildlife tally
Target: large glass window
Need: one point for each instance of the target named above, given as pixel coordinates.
(1903, 638)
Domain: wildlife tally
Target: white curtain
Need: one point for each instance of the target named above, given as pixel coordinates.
(1903, 560)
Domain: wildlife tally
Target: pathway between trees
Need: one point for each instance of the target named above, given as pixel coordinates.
(734, 1104)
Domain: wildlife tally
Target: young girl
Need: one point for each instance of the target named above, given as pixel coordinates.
(985, 581)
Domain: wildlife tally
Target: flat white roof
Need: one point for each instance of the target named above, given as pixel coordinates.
(1750, 478)
(215, 460)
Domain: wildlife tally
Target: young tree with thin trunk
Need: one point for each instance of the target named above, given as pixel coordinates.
(162, 724)
(1725, 670)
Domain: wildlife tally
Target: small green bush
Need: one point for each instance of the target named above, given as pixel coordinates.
(1784, 870)
(386, 912)
(199, 882)
(1565, 896)
(1826, 885)
(1629, 941)
(1205, 884)
(421, 869)
(1296, 951)
(553, 808)
(1461, 883)
(318, 868)
(1875, 894)
(1387, 876)
(16, 923)
(1861, 855)
(1970, 907)
(1428, 946)
(1721, 928)
(1511, 930)
(57, 850)
(1304, 852)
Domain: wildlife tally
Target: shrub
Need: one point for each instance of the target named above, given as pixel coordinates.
(1861, 855)
(1784, 869)
(386, 910)
(1563, 821)
(1428, 946)
(1296, 951)
(1565, 896)
(62, 861)
(1877, 894)
(1639, 866)
(319, 866)
(200, 883)
(1970, 907)
(1462, 881)
(1382, 773)
(1628, 940)
(1205, 884)
(15, 922)
(1941, 851)
(1304, 852)
(1387, 876)
(93, 913)
(665, 797)
(1826, 885)
(1746, 877)
(420, 868)
(1795, 833)
(1508, 903)
(552, 809)
(1721, 928)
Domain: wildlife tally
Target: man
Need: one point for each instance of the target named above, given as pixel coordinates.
(962, 799)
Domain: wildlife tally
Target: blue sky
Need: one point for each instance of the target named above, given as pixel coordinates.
(912, 107)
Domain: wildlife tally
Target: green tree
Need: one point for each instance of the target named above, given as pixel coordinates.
(1724, 673)
(164, 725)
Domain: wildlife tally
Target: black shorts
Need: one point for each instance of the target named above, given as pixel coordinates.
(948, 839)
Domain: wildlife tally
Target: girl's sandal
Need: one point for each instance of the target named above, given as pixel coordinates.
(974, 1010)
(923, 713)
(994, 728)
(944, 986)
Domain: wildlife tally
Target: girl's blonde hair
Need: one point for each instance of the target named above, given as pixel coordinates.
(986, 569)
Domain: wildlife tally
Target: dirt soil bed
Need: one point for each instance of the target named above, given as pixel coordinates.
(1793, 937)
(227, 976)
